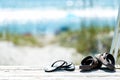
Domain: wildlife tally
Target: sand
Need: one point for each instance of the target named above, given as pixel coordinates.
(11, 54)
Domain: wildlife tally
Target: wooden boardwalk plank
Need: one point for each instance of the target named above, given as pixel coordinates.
(37, 73)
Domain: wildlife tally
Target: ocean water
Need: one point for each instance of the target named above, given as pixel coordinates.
(50, 16)
(58, 3)
(39, 21)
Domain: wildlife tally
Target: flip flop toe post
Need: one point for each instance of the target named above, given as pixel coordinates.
(60, 65)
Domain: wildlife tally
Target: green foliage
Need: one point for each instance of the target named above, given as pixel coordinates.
(23, 40)
(85, 39)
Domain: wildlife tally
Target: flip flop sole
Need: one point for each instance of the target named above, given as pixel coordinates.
(50, 69)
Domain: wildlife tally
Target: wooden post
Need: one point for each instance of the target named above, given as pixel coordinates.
(116, 37)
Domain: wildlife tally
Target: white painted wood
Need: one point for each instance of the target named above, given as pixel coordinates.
(117, 48)
(115, 42)
(37, 73)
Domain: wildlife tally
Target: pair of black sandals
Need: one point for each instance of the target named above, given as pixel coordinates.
(87, 64)
(92, 63)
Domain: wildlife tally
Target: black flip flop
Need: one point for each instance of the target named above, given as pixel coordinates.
(89, 63)
(69, 67)
(60, 65)
(107, 60)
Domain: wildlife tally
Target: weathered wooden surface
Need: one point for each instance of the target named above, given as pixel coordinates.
(37, 73)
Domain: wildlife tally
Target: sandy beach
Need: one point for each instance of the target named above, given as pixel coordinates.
(34, 56)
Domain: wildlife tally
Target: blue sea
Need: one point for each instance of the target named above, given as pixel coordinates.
(49, 16)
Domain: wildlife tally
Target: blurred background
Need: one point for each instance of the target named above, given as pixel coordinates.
(37, 32)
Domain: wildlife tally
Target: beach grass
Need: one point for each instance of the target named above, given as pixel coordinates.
(21, 40)
(85, 40)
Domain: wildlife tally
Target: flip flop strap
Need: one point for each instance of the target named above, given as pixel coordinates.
(62, 64)
(90, 66)
(105, 57)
